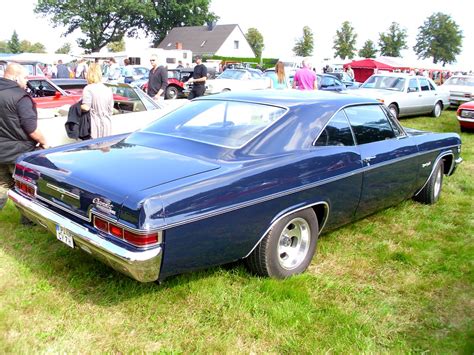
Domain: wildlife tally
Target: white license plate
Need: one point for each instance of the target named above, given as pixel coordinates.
(64, 235)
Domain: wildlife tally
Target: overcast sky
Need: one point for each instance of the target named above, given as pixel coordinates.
(281, 22)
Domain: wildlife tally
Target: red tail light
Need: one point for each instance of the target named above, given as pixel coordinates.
(139, 240)
(25, 188)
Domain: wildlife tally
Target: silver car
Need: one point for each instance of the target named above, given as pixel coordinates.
(406, 95)
(461, 89)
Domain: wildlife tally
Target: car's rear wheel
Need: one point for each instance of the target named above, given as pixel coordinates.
(394, 110)
(437, 109)
(288, 248)
(171, 92)
(432, 190)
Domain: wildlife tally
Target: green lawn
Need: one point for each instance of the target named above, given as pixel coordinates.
(399, 281)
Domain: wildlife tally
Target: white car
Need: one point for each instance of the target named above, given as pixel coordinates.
(133, 109)
(405, 95)
(237, 80)
(461, 89)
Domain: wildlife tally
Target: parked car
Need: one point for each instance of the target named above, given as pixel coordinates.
(32, 67)
(46, 94)
(406, 95)
(461, 88)
(71, 86)
(237, 80)
(255, 175)
(465, 114)
(345, 79)
(133, 109)
(177, 79)
(330, 83)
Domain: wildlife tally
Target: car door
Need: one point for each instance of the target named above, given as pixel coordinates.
(388, 156)
(427, 96)
(413, 95)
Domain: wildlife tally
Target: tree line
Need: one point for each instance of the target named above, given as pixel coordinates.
(439, 38)
(107, 22)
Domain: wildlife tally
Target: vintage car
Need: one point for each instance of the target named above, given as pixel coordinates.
(345, 79)
(133, 109)
(461, 88)
(255, 176)
(177, 79)
(237, 80)
(406, 95)
(465, 114)
(46, 94)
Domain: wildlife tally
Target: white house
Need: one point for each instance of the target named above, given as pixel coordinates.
(220, 40)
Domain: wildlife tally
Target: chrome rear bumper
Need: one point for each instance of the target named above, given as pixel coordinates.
(143, 266)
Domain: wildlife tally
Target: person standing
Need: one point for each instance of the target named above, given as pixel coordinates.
(128, 71)
(81, 69)
(279, 80)
(350, 72)
(62, 70)
(19, 132)
(198, 79)
(98, 100)
(305, 78)
(157, 80)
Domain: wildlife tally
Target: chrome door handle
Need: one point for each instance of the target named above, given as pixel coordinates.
(368, 159)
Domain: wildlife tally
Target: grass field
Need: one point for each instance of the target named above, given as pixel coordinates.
(398, 281)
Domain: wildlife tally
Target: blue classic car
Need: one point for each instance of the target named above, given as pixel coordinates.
(254, 176)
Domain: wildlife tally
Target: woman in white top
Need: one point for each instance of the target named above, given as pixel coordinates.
(98, 99)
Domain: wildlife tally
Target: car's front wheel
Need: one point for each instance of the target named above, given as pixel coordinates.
(394, 110)
(171, 92)
(288, 248)
(432, 190)
(437, 109)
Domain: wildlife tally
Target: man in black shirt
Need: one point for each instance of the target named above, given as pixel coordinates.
(157, 80)
(19, 131)
(198, 79)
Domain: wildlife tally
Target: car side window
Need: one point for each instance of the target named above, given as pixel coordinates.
(369, 123)
(424, 84)
(397, 128)
(413, 85)
(432, 86)
(337, 132)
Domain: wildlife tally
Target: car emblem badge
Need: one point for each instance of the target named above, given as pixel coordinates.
(104, 205)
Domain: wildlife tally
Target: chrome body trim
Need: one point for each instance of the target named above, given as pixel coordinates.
(441, 156)
(142, 265)
(275, 221)
(62, 191)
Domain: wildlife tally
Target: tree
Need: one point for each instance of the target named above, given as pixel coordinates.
(344, 43)
(394, 41)
(102, 22)
(439, 38)
(14, 43)
(64, 49)
(4, 47)
(255, 39)
(161, 16)
(27, 46)
(368, 50)
(304, 46)
(118, 46)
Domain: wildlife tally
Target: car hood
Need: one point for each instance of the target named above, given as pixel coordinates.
(375, 93)
(75, 176)
(459, 88)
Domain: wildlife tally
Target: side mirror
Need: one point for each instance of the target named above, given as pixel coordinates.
(57, 95)
(412, 90)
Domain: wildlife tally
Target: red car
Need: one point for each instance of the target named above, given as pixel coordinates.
(465, 115)
(47, 94)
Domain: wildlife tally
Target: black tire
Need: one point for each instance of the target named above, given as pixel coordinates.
(288, 248)
(437, 109)
(432, 190)
(225, 90)
(172, 92)
(394, 110)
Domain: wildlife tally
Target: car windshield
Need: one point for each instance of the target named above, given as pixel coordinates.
(465, 81)
(232, 74)
(229, 124)
(393, 83)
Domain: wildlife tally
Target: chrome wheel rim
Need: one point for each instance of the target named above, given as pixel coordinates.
(293, 244)
(437, 185)
(437, 110)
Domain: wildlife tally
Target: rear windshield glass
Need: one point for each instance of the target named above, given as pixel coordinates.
(224, 123)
